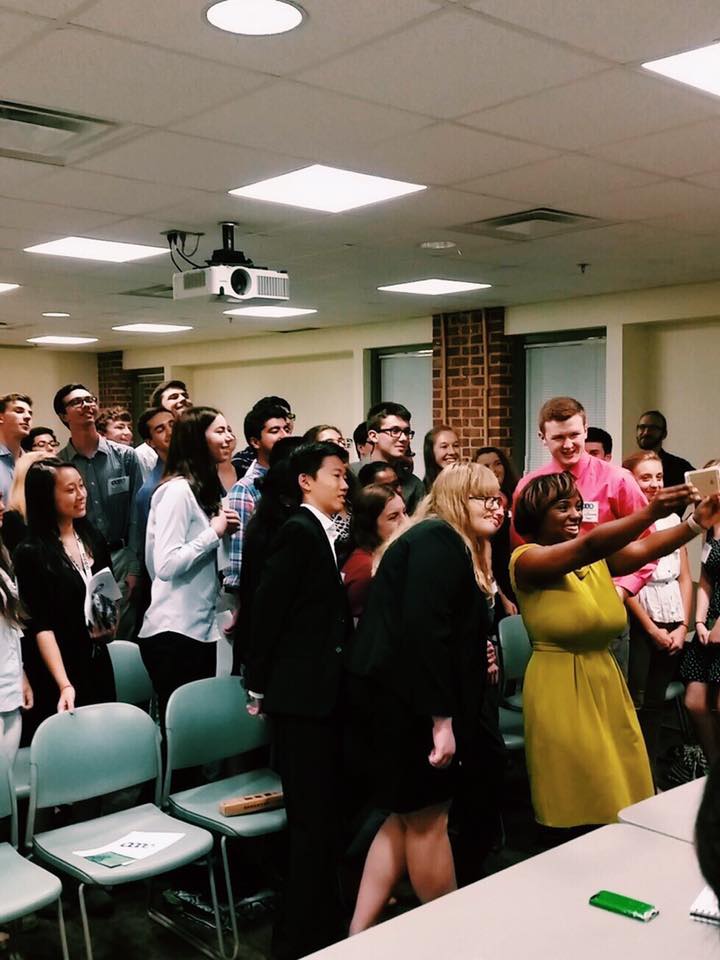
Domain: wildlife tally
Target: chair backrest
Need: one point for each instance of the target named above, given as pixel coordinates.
(132, 681)
(8, 803)
(515, 646)
(90, 752)
(206, 720)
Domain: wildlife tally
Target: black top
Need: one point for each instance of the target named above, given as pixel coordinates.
(300, 623)
(14, 529)
(673, 468)
(423, 636)
(52, 593)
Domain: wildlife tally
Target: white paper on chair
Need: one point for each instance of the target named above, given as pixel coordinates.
(136, 845)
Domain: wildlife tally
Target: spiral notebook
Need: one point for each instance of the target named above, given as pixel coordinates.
(705, 907)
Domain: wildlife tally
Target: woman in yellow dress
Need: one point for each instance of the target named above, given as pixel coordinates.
(585, 752)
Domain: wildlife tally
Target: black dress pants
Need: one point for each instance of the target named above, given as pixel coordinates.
(308, 757)
(173, 660)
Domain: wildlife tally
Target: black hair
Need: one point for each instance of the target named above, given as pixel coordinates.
(510, 480)
(598, 435)
(27, 442)
(369, 503)
(144, 419)
(256, 419)
(370, 470)
(655, 413)
(308, 457)
(189, 457)
(536, 499)
(273, 402)
(156, 396)
(360, 436)
(40, 506)
(59, 398)
(379, 411)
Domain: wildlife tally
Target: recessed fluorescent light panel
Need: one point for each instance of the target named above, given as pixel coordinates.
(255, 18)
(7, 287)
(326, 188)
(152, 328)
(433, 287)
(699, 68)
(62, 341)
(268, 312)
(54, 314)
(85, 248)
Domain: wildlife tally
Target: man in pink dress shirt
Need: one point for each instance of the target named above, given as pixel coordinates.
(608, 492)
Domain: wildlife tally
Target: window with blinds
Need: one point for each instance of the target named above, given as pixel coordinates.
(572, 369)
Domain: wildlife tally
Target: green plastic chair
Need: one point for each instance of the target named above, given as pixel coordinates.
(206, 721)
(21, 773)
(24, 886)
(93, 751)
(516, 651)
(132, 681)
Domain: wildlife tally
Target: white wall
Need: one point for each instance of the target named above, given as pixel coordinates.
(40, 373)
(323, 373)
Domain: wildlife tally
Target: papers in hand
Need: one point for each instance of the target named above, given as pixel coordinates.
(136, 845)
(101, 595)
(705, 907)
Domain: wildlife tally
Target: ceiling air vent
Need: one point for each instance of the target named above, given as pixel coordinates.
(158, 291)
(530, 224)
(46, 136)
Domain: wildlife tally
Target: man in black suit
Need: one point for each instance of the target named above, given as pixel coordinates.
(650, 432)
(300, 627)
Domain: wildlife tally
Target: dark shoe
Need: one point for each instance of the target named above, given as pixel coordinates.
(192, 906)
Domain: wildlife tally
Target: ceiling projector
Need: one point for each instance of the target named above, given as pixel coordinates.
(230, 276)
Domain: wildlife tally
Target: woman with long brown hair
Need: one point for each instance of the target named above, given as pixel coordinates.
(422, 650)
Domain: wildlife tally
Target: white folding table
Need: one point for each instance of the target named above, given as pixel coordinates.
(671, 813)
(539, 908)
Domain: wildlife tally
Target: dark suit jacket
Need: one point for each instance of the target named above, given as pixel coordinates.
(300, 624)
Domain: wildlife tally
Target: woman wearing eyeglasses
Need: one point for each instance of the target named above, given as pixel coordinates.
(40, 439)
(585, 751)
(422, 651)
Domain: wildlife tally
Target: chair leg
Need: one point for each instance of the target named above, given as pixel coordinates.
(61, 928)
(85, 924)
(230, 897)
(216, 910)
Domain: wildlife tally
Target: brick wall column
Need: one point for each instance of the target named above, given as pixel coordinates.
(115, 385)
(472, 378)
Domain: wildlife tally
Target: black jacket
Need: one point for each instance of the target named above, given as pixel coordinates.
(300, 624)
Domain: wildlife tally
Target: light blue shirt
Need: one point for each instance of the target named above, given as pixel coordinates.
(7, 470)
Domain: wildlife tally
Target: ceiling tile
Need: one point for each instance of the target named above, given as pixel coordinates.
(15, 174)
(597, 109)
(316, 124)
(452, 64)
(330, 29)
(558, 180)
(622, 31)
(96, 191)
(15, 31)
(55, 9)
(188, 162)
(72, 69)
(44, 218)
(446, 153)
(644, 203)
(681, 152)
(711, 180)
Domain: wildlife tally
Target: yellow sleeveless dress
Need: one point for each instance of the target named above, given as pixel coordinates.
(585, 752)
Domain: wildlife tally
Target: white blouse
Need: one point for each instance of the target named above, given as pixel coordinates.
(181, 557)
(661, 598)
(11, 696)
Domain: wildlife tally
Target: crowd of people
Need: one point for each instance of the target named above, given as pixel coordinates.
(362, 604)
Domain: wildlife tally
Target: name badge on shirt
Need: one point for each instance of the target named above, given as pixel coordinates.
(118, 485)
(705, 552)
(591, 511)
